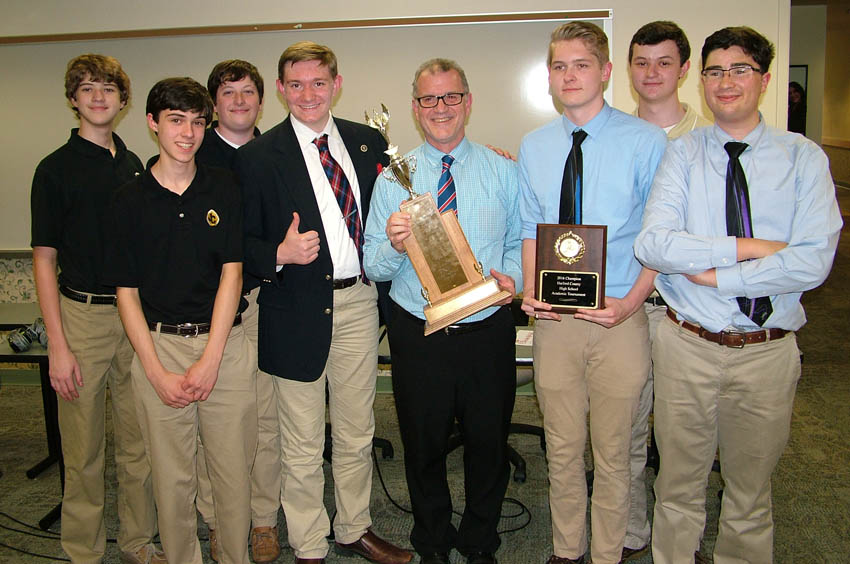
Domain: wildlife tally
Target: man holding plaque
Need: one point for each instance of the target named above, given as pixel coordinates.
(465, 372)
(307, 184)
(659, 57)
(596, 359)
(742, 219)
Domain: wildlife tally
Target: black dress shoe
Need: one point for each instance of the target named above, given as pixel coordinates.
(480, 558)
(629, 553)
(434, 558)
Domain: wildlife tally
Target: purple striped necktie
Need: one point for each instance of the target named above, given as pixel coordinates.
(739, 223)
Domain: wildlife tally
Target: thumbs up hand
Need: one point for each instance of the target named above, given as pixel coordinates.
(296, 247)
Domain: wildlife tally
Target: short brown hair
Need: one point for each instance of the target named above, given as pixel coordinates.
(308, 51)
(233, 70)
(590, 34)
(440, 65)
(98, 68)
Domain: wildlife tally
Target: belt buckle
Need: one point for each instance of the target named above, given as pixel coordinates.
(741, 334)
(190, 327)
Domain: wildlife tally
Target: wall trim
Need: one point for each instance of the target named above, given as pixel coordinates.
(837, 142)
(15, 253)
(312, 26)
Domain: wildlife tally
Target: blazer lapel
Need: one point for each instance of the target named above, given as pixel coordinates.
(297, 179)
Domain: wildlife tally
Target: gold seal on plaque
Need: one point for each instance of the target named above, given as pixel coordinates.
(569, 247)
(212, 218)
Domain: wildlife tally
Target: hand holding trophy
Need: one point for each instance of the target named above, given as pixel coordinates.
(453, 281)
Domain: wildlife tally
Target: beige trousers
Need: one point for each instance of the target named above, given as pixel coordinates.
(350, 375)
(740, 399)
(582, 367)
(265, 474)
(637, 530)
(227, 424)
(97, 339)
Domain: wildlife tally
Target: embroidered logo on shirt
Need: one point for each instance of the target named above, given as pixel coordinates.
(212, 218)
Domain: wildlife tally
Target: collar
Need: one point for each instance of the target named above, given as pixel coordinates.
(305, 135)
(752, 138)
(593, 127)
(86, 147)
(153, 189)
(435, 157)
(214, 125)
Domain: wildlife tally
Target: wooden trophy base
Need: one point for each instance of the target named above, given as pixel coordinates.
(480, 295)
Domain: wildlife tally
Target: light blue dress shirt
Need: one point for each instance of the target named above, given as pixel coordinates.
(488, 212)
(792, 199)
(620, 155)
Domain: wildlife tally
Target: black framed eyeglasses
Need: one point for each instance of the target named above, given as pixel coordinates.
(737, 72)
(449, 99)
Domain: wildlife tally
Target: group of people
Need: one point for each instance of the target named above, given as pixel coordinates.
(247, 273)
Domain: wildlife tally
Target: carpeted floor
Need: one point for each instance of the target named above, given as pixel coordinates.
(811, 486)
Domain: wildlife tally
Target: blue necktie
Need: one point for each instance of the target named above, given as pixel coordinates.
(446, 195)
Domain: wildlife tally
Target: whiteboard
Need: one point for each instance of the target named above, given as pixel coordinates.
(504, 62)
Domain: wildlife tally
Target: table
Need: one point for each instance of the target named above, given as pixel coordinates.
(17, 315)
(38, 355)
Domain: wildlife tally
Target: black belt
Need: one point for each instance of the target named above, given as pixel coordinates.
(457, 328)
(187, 329)
(103, 299)
(732, 339)
(656, 301)
(343, 283)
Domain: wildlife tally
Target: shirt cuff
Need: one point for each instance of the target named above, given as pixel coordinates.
(729, 281)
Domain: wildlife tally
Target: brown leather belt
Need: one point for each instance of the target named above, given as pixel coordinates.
(95, 299)
(345, 283)
(731, 339)
(187, 329)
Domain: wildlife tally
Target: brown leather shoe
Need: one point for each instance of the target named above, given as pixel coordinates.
(561, 560)
(265, 546)
(213, 546)
(629, 553)
(148, 554)
(372, 547)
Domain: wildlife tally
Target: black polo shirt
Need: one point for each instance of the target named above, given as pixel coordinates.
(71, 190)
(172, 247)
(215, 151)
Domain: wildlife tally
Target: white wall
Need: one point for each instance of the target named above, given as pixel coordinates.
(808, 47)
(36, 131)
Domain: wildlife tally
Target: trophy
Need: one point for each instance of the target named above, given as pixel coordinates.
(570, 266)
(453, 281)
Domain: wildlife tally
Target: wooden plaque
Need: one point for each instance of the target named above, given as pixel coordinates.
(570, 266)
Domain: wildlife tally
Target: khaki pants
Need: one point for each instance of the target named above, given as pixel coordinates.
(579, 367)
(707, 394)
(265, 474)
(350, 374)
(97, 339)
(637, 529)
(227, 424)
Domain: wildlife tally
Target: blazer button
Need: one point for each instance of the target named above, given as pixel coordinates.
(328, 277)
(328, 311)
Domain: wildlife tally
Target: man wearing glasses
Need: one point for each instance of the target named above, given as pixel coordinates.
(742, 219)
(465, 372)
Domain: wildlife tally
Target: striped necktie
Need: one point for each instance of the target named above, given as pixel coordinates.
(739, 223)
(344, 197)
(446, 195)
